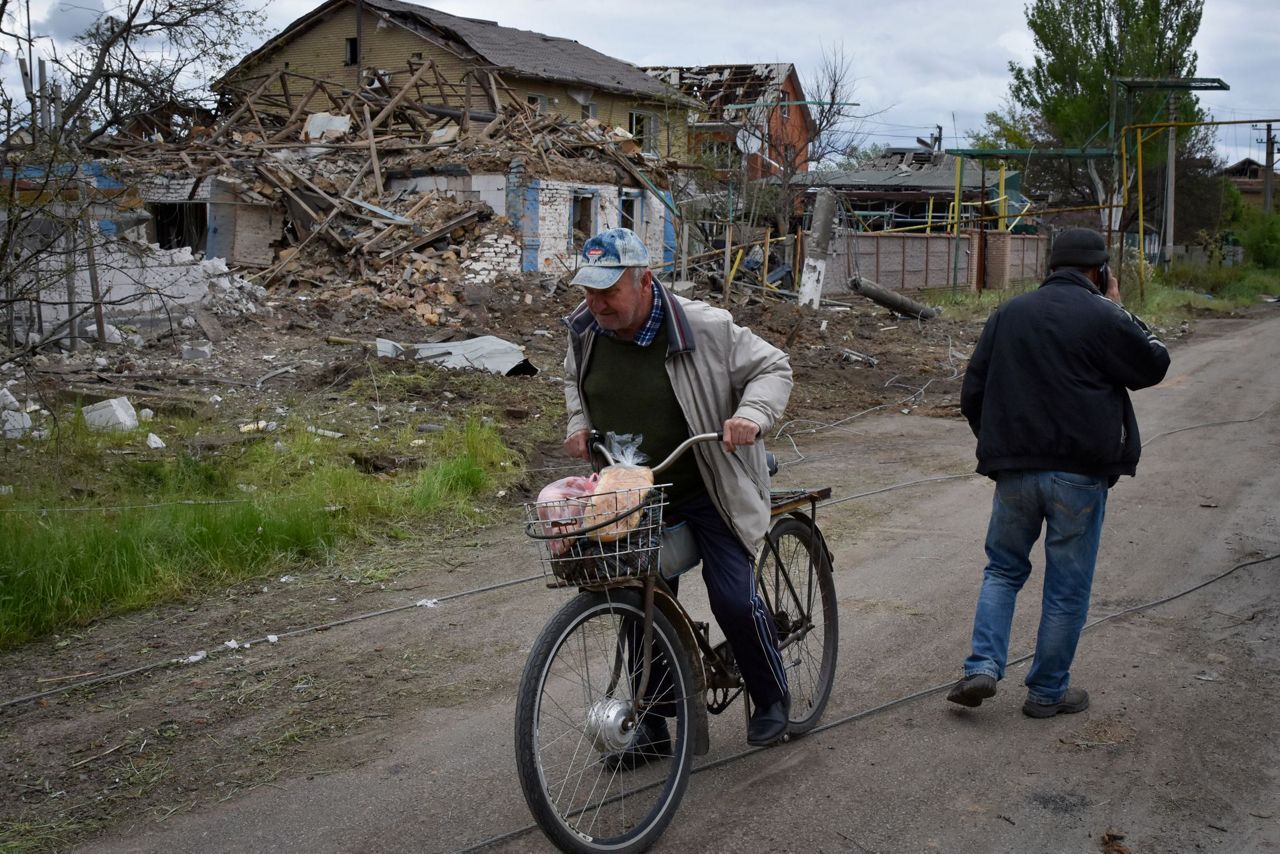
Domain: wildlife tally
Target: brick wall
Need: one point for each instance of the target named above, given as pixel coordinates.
(900, 261)
(1014, 259)
(494, 254)
(557, 203)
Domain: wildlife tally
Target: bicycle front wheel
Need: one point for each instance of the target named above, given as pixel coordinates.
(591, 781)
(794, 580)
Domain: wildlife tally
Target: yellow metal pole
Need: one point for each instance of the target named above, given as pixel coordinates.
(1004, 201)
(1142, 242)
(928, 229)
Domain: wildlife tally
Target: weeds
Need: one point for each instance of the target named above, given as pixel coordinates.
(155, 528)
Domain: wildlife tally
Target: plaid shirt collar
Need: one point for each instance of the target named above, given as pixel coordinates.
(651, 327)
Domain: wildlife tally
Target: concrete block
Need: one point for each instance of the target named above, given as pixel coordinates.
(114, 414)
(14, 424)
(195, 352)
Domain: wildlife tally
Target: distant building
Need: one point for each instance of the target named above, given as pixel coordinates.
(1249, 176)
(755, 117)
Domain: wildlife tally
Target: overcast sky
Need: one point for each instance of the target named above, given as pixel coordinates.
(917, 63)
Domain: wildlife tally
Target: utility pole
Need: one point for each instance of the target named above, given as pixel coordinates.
(1269, 176)
(1170, 169)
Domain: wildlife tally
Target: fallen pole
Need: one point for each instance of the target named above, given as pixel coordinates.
(892, 299)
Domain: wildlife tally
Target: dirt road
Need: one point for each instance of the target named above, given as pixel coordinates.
(1178, 752)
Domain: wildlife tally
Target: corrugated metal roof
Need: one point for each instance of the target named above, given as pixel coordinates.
(906, 169)
(531, 54)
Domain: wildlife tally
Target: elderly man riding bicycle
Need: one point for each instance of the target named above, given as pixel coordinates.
(642, 360)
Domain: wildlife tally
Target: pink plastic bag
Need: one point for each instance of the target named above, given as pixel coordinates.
(560, 507)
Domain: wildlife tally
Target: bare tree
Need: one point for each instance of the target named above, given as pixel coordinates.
(139, 55)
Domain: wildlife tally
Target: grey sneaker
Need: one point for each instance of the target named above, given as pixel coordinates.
(972, 690)
(1075, 700)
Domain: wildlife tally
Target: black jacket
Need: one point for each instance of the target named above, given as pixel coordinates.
(1045, 388)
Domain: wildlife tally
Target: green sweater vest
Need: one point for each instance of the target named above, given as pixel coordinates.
(626, 389)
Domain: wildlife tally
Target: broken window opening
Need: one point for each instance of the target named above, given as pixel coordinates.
(582, 220)
(644, 128)
(718, 153)
(353, 51)
(178, 225)
(588, 111)
(630, 210)
(538, 102)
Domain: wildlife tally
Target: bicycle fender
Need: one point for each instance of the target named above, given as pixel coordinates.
(680, 622)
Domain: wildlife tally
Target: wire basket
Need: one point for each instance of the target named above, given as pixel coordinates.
(598, 538)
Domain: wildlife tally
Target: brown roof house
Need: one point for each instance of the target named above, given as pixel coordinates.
(754, 116)
(472, 67)
(477, 63)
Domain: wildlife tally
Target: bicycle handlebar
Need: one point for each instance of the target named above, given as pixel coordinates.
(598, 445)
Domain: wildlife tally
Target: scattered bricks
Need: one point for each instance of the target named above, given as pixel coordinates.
(197, 352)
(114, 414)
(8, 401)
(14, 424)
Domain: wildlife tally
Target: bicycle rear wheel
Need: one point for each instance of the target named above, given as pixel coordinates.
(575, 720)
(794, 580)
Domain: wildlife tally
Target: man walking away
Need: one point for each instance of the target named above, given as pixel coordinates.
(1045, 394)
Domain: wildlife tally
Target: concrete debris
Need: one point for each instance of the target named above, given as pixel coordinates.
(15, 424)
(855, 356)
(154, 442)
(188, 322)
(114, 414)
(328, 434)
(6, 489)
(325, 127)
(259, 427)
(388, 349)
(145, 415)
(7, 400)
(194, 352)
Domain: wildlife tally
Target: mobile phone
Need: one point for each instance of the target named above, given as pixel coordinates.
(1104, 278)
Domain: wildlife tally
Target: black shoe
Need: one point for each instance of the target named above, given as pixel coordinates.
(650, 741)
(1075, 700)
(769, 723)
(972, 690)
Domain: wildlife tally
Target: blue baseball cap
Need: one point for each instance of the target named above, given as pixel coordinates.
(608, 255)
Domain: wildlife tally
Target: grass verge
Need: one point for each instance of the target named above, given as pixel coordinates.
(148, 528)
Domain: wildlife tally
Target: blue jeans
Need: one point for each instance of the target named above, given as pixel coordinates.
(1071, 506)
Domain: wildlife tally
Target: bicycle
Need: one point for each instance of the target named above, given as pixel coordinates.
(587, 682)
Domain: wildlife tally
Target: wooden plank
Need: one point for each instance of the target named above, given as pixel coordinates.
(373, 154)
(293, 116)
(401, 95)
(239, 111)
(431, 236)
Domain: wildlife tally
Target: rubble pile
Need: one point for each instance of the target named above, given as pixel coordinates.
(356, 230)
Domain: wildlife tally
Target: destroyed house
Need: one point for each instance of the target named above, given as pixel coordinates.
(754, 117)
(905, 187)
(1249, 177)
(472, 64)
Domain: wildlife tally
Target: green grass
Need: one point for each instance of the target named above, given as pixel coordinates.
(288, 500)
(1165, 297)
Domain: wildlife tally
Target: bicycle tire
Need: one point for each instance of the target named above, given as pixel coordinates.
(794, 578)
(563, 708)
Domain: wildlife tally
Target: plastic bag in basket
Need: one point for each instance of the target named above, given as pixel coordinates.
(622, 487)
(560, 508)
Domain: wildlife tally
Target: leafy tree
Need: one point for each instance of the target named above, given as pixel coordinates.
(1065, 96)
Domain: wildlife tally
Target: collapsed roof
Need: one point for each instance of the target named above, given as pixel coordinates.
(522, 52)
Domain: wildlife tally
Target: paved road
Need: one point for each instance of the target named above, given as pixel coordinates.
(1178, 752)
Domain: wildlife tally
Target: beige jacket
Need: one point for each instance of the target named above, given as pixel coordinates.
(718, 370)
